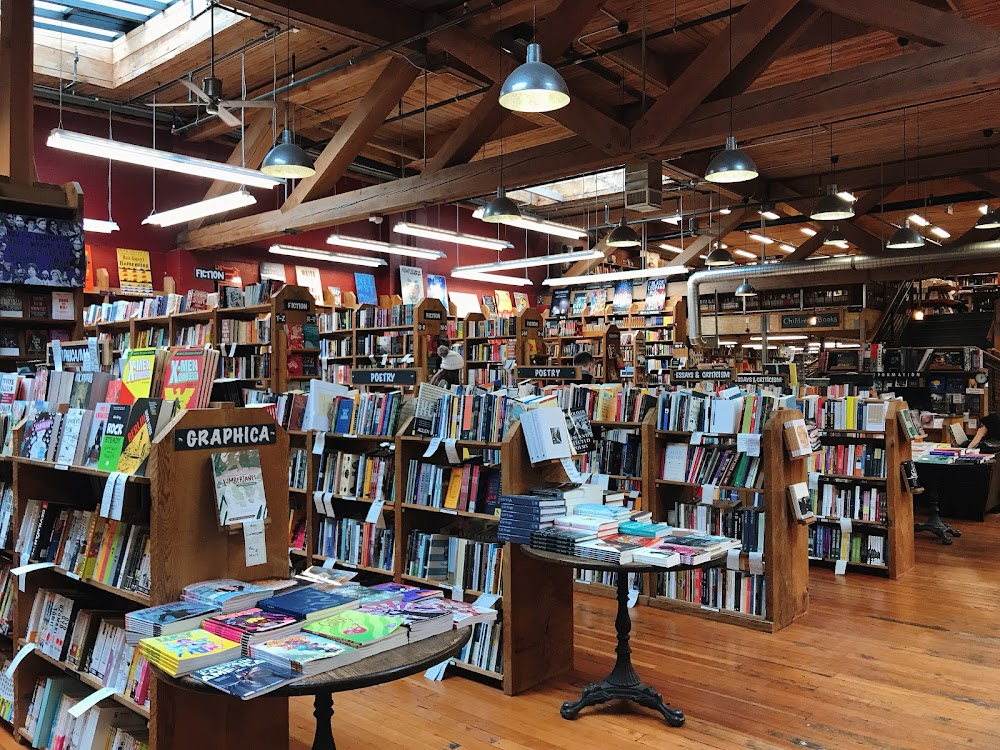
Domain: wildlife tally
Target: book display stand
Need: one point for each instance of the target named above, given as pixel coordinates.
(897, 528)
(177, 500)
(785, 554)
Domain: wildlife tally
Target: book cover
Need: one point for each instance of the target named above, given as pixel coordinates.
(355, 628)
(95, 437)
(239, 486)
(301, 648)
(183, 380)
(165, 614)
(139, 436)
(221, 591)
(37, 435)
(579, 303)
(36, 342)
(505, 305)
(11, 305)
(437, 288)
(364, 285)
(308, 276)
(62, 306)
(656, 295)
(72, 423)
(411, 284)
(113, 439)
(560, 303)
(253, 620)
(520, 301)
(244, 678)
(306, 601)
(39, 306)
(623, 297)
(9, 346)
(188, 645)
(134, 272)
(137, 375)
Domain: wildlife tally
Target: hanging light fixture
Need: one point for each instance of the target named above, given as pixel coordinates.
(211, 207)
(918, 315)
(745, 289)
(99, 225)
(309, 253)
(501, 210)
(447, 235)
(836, 238)
(832, 207)
(623, 235)
(534, 86)
(905, 238)
(288, 160)
(719, 257)
(731, 165)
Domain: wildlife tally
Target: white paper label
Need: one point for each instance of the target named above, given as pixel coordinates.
(90, 701)
(61, 467)
(572, 473)
(319, 443)
(432, 448)
(487, 600)
(375, 514)
(840, 567)
(846, 526)
(708, 494)
(451, 450)
(329, 562)
(254, 542)
(814, 480)
(633, 597)
(91, 357)
(733, 559)
(328, 505)
(757, 563)
(696, 438)
(457, 593)
(109, 491)
(26, 649)
(749, 444)
(117, 495)
(450, 511)
(318, 501)
(30, 567)
(436, 673)
(57, 355)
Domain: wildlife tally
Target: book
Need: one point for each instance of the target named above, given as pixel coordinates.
(364, 285)
(138, 374)
(139, 434)
(797, 438)
(304, 654)
(113, 438)
(239, 486)
(251, 625)
(11, 304)
(227, 594)
(183, 653)
(72, 426)
(546, 435)
(188, 377)
(95, 435)
(309, 603)
(63, 307)
(798, 498)
(166, 619)
(244, 678)
(38, 436)
(370, 634)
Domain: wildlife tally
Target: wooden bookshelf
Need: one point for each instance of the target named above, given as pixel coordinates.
(177, 501)
(785, 556)
(292, 306)
(898, 526)
(429, 318)
(337, 342)
(520, 335)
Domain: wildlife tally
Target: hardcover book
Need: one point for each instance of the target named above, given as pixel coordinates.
(185, 373)
(95, 436)
(138, 371)
(239, 486)
(139, 435)
(11, 305)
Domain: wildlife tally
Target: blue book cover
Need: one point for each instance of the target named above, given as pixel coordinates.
(308, 603)
(173, 612)
(343, 422)
(364, 283)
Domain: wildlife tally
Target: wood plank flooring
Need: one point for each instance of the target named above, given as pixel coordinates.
(912, 664)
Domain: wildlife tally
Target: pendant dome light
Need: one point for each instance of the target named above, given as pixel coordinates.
(835, 238)
(534, 86)
(719, 257)
(991, 219)
(905, 238)
(501, 209)
(731, 164)
(287, 159)
(745, 289)
(832, 207)
(623, 235)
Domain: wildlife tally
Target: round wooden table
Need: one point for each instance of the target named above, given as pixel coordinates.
(373, 670)
(623, 683)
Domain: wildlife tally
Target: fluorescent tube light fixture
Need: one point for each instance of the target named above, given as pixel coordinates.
(518, 263)
(918, 220)
(377, 246)
(940, 233)
(671, 248)
(128, 153)
(848, 196)
(761, 238)
(541, 225)
(745, 254)
(784, 246)
(201, 209)
(447, 235)
(639, 273)
(769, 215)
(312, 254)
(492, 278)
(100, 226)
(808, 231)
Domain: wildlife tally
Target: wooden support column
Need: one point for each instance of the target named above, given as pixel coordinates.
(17, 155)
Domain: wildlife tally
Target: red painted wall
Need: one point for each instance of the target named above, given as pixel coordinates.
(132, 201)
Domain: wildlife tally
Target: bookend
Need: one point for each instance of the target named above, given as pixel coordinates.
(623, 683)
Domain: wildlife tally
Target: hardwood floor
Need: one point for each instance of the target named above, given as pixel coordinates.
(907, 664)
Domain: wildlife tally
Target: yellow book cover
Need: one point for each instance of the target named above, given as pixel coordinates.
(605, 405)
(138, 372)
(93, 550)
(505, 305)
(851, 408)
(454, 489)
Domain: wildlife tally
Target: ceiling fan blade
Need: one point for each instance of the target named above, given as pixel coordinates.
(158, 105)
(228, 117)
(196, 91)
(248, 104)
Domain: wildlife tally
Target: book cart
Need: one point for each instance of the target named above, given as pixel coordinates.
(897, 528)
(785, 554)
(177, 501)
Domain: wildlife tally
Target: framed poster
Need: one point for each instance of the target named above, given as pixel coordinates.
(437, 288)
(411, 284)
(38, 250)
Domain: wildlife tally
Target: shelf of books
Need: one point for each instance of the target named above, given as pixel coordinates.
(336, 343)
(93, 546)
(491, 343)
(719, 465)
(396, 337)
(31, 318)
(864, 513)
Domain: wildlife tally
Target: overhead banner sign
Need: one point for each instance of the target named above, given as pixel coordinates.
(801, 320)
(384, 377)
(726, 374)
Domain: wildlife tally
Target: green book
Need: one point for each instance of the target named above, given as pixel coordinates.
(354, 628)
(114, 438)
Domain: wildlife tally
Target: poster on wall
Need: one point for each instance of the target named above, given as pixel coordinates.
(411, 283)
(135, 275)
(623, 297)
(269, 270)
(308, 276)
(364, 287)
(437, 288)
(465, 303)
(656, 295)
(38, 250)
(520, 301)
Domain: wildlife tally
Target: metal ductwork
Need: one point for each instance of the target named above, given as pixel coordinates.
(890, 266)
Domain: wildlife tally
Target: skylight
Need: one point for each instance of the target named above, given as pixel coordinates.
(96, 20)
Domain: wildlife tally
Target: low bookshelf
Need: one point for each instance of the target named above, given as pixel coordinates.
(762, 513)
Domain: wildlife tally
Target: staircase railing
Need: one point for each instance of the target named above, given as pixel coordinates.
(897, 313)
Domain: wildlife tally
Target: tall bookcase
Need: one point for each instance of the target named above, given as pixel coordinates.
(785, 554)
(419, 326)
(897, 528)
(491, 341)
(336, 341)
(177, 500)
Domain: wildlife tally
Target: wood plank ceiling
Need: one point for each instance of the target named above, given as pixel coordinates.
(817, 77)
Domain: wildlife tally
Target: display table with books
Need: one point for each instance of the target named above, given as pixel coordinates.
(623, 683)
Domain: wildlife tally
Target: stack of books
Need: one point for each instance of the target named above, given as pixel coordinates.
(309, 603)
(522, 514)
(244, 678)
(251, 626)
(304, 654)
(226, 594)
(367, 633)
(183, 653)
(166, 619)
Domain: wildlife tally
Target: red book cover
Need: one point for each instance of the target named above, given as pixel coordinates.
(183, 378)
(294, 364)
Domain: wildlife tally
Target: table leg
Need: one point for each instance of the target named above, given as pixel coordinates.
(323, 711)
(623, 683)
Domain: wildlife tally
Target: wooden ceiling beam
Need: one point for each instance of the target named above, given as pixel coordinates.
(727, 50)
(374, 22)
(690, 256)
(912, 20)
(855, 92)
(863, 239)
(367, 117)
(555, 35)
(257, 141)
(17, 92)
